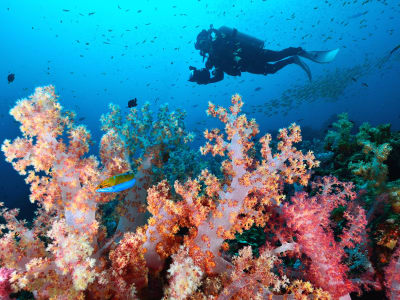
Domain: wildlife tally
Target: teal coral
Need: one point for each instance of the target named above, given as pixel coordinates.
(163, 134)
(341, 142)
(142, 131)
(364, 157)
(371, 159)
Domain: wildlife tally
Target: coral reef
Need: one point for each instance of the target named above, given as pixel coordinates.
(177, 235)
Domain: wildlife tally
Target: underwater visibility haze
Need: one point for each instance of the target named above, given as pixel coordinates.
(200, 149)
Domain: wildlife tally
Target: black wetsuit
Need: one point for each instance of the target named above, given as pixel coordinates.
(232, 53)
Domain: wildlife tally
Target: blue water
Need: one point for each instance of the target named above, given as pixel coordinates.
(99, 52)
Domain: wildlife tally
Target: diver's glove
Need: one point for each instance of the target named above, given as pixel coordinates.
(201, 76)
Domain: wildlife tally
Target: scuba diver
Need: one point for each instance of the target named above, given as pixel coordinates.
(232, 52)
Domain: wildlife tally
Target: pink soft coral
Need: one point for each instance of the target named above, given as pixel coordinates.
(5, 286)
(309, 218)
(393, 276)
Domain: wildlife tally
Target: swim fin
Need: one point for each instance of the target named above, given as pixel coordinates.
(320, 56)
(303, 65)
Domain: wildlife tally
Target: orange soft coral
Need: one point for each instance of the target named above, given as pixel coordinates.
(249, 186)
(58, 256)
(129, 269)
(61, 180)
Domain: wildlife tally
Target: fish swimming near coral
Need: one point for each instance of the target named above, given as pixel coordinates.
(132, 103)
(117, 183)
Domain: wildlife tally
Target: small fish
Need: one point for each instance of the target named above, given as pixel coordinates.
(132, 103)
(81, 118)
(66, 10)
(117, 183)
(358, 15)
(352, 78)
(10, 77)
(364, 84)
(257, 89)
(395, 49)
(91, 13)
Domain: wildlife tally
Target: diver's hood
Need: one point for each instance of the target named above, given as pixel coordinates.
(202, 37)
(203, 42)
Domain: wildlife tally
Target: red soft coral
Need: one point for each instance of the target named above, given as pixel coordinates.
(5, 286)
(393, 276)
(309, 217)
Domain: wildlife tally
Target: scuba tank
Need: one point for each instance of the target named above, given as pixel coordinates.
(245, 40)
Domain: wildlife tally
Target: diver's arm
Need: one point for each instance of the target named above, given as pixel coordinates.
(218, 76)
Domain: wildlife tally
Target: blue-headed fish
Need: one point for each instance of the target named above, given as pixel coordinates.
(117, 183)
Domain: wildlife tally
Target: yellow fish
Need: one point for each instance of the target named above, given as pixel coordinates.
(117, 183)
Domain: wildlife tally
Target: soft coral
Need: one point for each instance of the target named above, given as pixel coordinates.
(309, 218)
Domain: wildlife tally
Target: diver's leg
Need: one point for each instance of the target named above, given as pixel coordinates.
(275, 67)
(270, 55)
